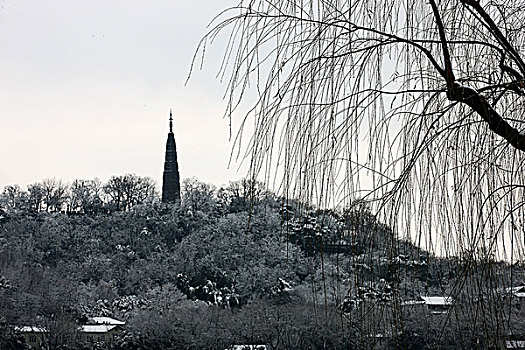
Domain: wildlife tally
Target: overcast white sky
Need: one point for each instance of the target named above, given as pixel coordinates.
(86, 88)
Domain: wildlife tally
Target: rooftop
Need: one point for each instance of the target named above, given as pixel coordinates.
(436, 301)
(97, 328)
(31, 329)
(106, 320)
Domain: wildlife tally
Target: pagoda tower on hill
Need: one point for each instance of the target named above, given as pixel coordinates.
(170, 177)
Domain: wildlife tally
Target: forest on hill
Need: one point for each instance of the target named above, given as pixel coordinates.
(234, 265)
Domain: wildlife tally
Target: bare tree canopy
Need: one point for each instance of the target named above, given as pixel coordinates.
(416, 106)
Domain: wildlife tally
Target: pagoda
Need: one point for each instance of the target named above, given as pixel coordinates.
(170, 177)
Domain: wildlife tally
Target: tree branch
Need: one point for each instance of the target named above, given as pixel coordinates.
(474, 4)
(471, 97)
(449, 73)
(480, 105)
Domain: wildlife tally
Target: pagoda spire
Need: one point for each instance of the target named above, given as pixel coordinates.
(170, 177)
(171, 122)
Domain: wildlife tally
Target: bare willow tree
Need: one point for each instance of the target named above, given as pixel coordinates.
(415, 106)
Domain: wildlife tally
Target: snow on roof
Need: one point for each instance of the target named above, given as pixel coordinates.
(101, 325)
(436, 301)
(247, 347)
(412, 302)
(31, 329)
(98, 328)
(107, 320)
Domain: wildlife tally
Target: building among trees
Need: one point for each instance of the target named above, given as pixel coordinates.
(97, 332)
(170, 178)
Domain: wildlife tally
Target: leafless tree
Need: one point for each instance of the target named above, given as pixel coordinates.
(36, 196)
(128, 190)
(13, 197)
(244, 193)
(86, 196)
(198, 196)
(55, 194)
(414, 106)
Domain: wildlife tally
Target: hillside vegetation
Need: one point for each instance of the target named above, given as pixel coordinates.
(235, 265)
